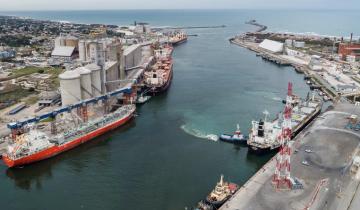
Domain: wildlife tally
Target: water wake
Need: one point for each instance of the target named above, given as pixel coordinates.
(199, 134)
(277, 99)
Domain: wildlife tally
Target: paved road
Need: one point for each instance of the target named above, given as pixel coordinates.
(332, 149)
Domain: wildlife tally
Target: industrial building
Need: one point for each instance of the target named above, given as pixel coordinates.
(272, 46)
(48, 98)
(132, 56)
(106, 61)
(349, 51)
(7, 54)
(68, 41)
(65, 50)
(94, 50)
(63, 53)
(86, 82)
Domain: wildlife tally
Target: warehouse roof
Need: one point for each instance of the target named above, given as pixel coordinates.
(272, 46)
(64, 51)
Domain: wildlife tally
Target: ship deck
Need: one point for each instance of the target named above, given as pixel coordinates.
(332, 150)
(300, 118)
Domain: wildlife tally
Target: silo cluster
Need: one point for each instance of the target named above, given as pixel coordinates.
(80, 84)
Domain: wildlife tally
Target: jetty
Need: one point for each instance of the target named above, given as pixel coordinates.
(330, 178)
(186, 27)
(260, 26)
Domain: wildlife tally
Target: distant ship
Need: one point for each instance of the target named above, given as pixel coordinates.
(159, 77)
(178, 38)
(236, 138)
(36, 145)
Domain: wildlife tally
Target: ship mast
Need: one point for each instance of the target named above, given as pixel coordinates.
(282, 178)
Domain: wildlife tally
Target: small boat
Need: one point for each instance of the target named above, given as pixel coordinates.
(222, 192)
(236, 138)
(142, 99)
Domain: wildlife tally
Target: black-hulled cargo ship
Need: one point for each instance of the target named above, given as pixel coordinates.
(264, 136)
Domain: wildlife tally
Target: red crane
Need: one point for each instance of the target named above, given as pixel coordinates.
(282, 178)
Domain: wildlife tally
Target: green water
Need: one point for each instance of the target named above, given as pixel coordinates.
(163, 158)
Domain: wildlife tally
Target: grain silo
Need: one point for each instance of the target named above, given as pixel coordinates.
(62, 41)
(70, 87)
(85, 82)
(71, 41)
(96, 52)
(82, 50)
(95, 78)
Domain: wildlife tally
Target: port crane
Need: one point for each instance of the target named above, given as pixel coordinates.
(282, 177)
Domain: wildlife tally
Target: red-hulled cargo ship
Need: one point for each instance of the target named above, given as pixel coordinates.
(35, 145)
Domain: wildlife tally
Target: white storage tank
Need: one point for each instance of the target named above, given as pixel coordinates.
(62, 41)
(70, 87)
(82, 50)
(299, 44)
(351, 58)
(95, 78)
(289, 42)
(57, 41)
(85, 82)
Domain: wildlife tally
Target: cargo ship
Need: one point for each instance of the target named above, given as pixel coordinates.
(264, 135)
(36, 145)
(159, 77)
(178, 38)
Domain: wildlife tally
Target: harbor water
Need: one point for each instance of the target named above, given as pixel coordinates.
(168, 156)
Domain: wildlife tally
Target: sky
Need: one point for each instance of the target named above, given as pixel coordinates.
(17, 5)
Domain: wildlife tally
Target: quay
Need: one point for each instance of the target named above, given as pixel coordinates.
(330, 179)
(284, 60)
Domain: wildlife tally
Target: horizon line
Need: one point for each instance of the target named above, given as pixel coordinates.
(149, 9)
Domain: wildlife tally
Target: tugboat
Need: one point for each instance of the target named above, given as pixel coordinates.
(236, 138)
(222, 192)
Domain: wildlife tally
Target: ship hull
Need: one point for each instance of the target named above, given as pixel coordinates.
(55, 150)
(217, 204)
(179, 42)
(260, 151)
(230, 139)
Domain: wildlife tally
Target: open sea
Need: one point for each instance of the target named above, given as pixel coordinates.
(165, 158)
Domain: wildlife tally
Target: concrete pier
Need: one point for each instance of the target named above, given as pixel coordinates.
(329, 182)
(282, 60)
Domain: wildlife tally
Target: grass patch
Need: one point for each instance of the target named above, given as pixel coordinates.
(31, 100)
(49, 119)
(15, 95)
(54, 72)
